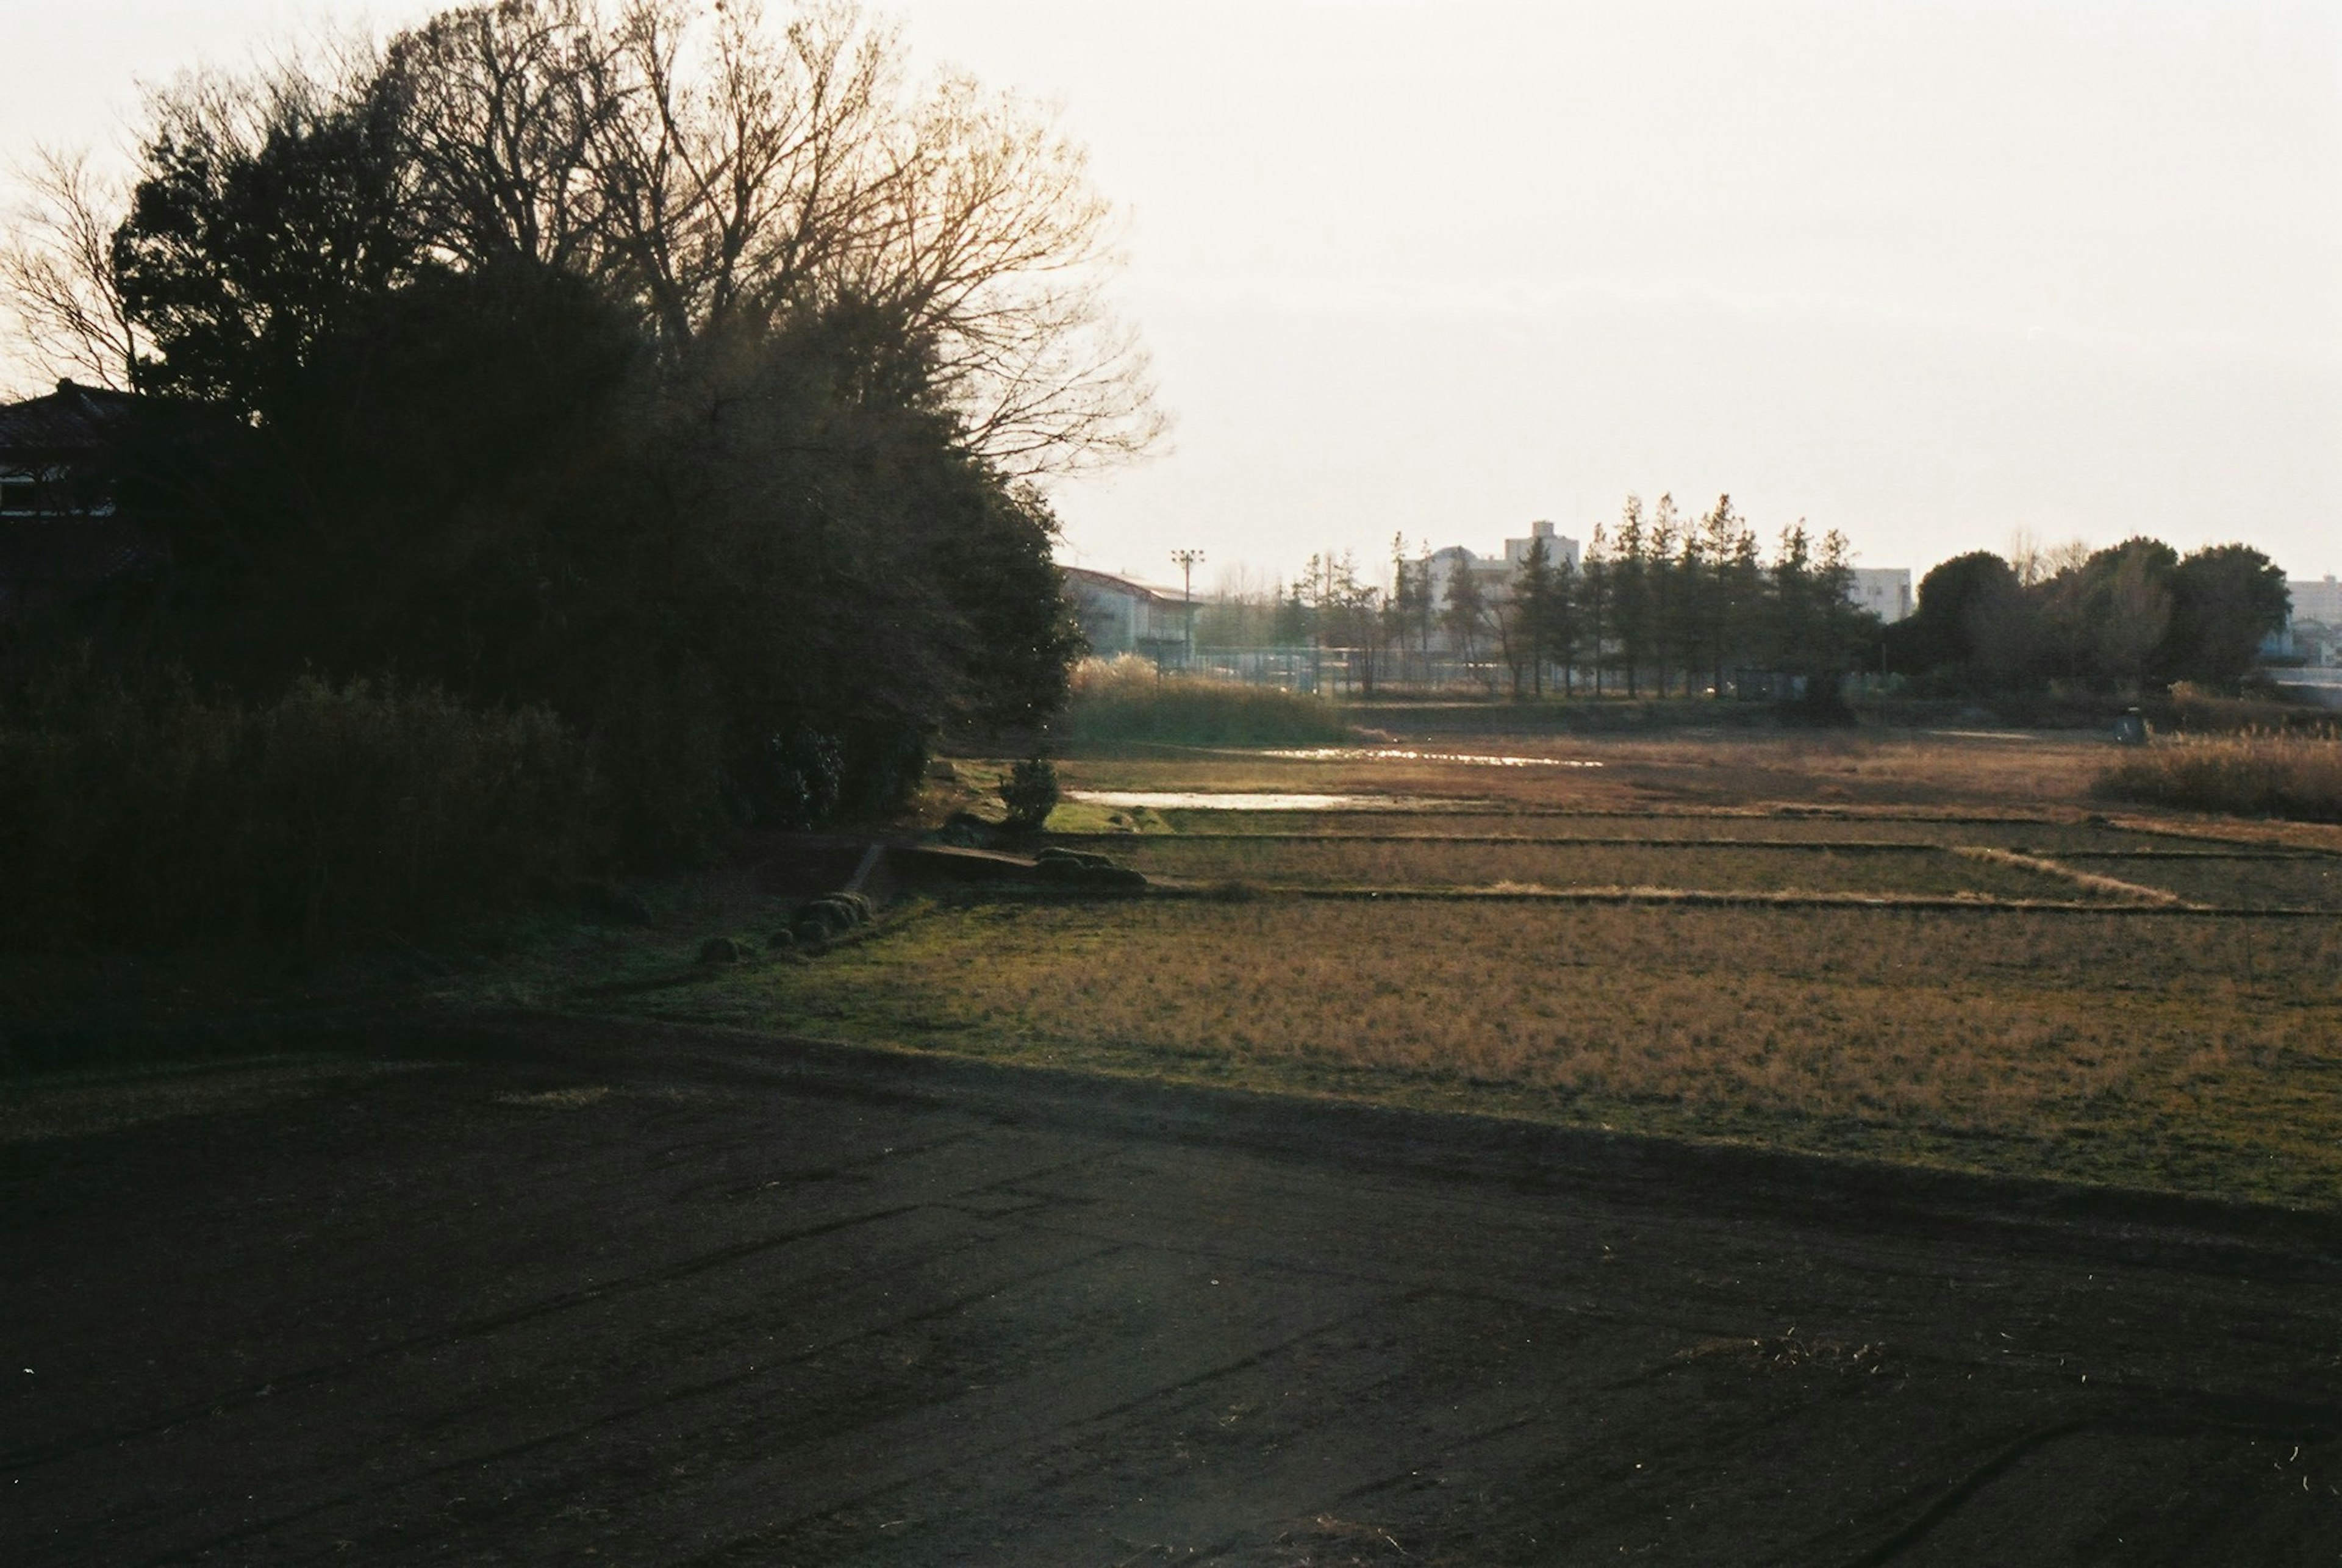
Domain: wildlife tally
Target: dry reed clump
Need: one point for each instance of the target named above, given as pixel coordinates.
(2194, 708)
(1128, 699)
(2146, 1051)
(331, 810)
(2257, 773)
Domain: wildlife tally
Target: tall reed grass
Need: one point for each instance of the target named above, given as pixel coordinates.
(1126, 699)
(2199, 710)
(331, 810)
(2256, 772)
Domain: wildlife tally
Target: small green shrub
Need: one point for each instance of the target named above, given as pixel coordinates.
(1126, 699)
(1030, 793)
(2257, 773)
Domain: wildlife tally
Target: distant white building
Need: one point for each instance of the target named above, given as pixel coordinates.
(1884, 591)
(2318, 601)
(1494, 573)
(2313, 625)
(1560, 549)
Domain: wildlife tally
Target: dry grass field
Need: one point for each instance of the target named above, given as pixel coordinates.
(1845, 867)
(1683, 824)
(1991, 973)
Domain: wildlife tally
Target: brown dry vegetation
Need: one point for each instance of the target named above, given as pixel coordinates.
(2142, 1044)
(2165, 1051)
(2304, 883)
(2019, 772)
(1126, 699)
(1681, 825)
(2259, 772)
(1693, 866)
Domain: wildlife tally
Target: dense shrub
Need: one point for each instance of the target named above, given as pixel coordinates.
(2257, 773)
(1030, 793)
(333, 810)
(1126, 699)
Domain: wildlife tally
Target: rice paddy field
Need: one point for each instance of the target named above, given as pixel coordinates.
(1883, 869)
(1936, 950)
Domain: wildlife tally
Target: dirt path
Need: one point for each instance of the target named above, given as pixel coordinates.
(667, 1299)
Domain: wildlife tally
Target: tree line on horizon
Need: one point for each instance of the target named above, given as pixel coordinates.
(1664, 603)
(1661, 602)
(2135, 616)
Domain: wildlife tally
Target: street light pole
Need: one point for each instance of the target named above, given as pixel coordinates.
(1185, 561)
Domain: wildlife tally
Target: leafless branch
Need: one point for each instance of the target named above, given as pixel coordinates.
(56, 272)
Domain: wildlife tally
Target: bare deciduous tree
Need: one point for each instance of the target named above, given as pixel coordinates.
(501, 104)
(722, 171)
(56, 272)
(718, 168)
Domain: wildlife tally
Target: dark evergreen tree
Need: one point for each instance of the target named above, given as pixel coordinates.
(1531, 615)
(1464, 616)
(1630, 592)
(1970, 629)
(1594, 600)
(1664, 601)
(2226, 599)
(235, 263)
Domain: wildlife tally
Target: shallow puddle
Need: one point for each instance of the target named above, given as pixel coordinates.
(1398, 754)
(1198, 800)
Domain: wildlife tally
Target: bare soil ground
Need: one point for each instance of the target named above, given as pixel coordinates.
(617, 1292)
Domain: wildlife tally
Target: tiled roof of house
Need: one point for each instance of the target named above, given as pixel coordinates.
(71, 421)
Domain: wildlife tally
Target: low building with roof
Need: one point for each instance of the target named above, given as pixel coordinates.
(1124, 615)
(59, 532)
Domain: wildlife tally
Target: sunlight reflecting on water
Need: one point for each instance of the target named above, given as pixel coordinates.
(1199, 800)
(1398, 754)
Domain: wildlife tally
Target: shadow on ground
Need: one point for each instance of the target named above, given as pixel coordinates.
(655, 1296)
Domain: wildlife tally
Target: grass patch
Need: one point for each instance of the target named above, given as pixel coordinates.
(1855, 835)
(2304, 883)
(1688, 827)
(2259, 772)
(2183, 1054)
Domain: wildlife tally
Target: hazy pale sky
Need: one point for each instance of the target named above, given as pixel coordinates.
(1927, 274)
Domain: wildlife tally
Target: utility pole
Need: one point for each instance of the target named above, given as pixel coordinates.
(1185, 560)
